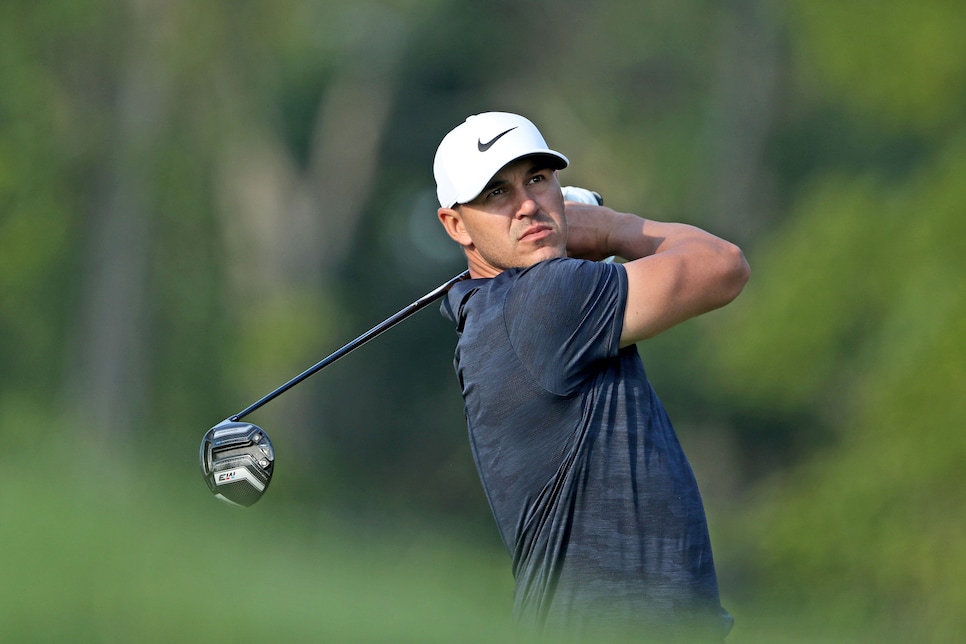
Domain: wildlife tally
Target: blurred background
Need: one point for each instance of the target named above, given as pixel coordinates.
(198, 200)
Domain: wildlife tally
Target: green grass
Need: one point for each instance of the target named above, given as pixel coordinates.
(96, 552)
(151, 556)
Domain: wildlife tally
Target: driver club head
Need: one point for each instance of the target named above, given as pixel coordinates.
(237, 460)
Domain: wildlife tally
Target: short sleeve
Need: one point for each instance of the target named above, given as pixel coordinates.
(562, 316)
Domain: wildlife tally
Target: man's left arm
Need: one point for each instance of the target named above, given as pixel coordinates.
(674, 271)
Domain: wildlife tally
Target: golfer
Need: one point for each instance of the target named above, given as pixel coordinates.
(591, 491)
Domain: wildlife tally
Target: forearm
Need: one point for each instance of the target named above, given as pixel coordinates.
(596, 232)
(631, 237)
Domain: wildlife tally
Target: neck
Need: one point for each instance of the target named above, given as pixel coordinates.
(480, 268)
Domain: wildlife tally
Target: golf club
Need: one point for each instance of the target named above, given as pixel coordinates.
(238, 459)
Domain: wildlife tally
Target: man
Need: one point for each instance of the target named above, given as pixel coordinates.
(591, 491)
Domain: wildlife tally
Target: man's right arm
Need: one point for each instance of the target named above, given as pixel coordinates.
(674, 271)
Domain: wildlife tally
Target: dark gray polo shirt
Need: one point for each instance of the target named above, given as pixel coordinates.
(591, 491)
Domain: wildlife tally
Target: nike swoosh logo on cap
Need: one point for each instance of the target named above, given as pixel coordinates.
(483, 147)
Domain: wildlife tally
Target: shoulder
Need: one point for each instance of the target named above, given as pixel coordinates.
(566, 281)
(553, 288)
(563, 316)
(564, 298)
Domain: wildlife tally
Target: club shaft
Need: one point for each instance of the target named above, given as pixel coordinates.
(421, 303)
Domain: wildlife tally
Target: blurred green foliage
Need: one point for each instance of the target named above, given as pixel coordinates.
(199, 200)
(855, 321)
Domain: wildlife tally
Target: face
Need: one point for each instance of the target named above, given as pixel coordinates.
(517, 221)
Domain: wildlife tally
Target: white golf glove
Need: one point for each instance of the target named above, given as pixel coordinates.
(582, 195)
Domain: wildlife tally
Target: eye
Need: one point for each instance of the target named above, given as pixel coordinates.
(496, 192)
(541, 175)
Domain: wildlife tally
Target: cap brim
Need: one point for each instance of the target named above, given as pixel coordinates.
(558, 162)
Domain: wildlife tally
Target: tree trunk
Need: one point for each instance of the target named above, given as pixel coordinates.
(108, 373)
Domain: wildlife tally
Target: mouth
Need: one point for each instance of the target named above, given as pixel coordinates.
(536, 233)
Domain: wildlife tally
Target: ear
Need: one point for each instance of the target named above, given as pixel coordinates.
(452, 221)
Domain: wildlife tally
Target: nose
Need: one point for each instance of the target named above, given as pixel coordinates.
(527, 207)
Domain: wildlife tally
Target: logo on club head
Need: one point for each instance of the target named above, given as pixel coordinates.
(227, 477)
(239, 474)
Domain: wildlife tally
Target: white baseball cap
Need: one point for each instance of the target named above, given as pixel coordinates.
(475, 150)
